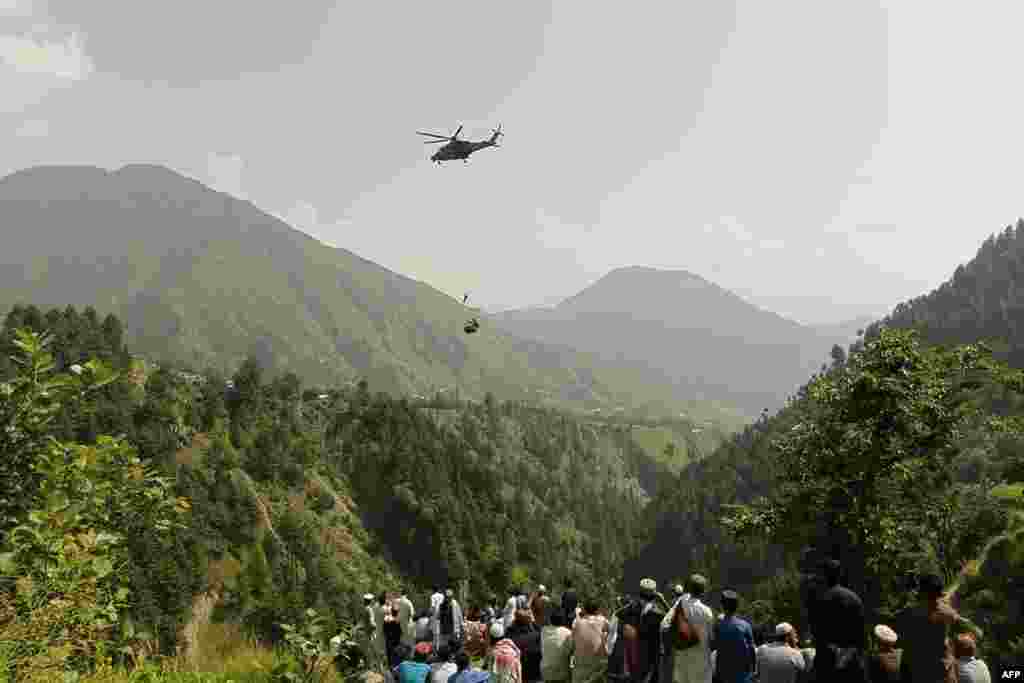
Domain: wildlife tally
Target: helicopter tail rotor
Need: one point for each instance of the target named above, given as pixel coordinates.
(495, 135)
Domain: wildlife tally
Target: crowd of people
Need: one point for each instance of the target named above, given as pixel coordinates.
(647, 638)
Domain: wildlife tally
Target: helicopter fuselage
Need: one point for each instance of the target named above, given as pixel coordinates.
(459, 149)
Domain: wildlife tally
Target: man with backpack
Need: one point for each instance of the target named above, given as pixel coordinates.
(686, 635)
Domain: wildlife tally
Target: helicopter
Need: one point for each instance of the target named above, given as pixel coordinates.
(459, 149)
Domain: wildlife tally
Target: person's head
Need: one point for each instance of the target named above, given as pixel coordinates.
(556, 619)
(542, 589)
(568, 584)
(591, 607)
(444, 653)
(964, 645)
(437, 589)
(785, 633)
(648, 588)
(885, 637)
(382, 599)
(462, 661)
(930, 587)
(696, 585)
(368, 599)
(730, 602)
(523, 617)
(497, 631)
(678, 591)
(449, 594)
(833, 571)
(403, 651)
(513, 591)
(422, 652)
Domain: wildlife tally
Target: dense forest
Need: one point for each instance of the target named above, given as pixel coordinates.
(285, 497)
(905, 455)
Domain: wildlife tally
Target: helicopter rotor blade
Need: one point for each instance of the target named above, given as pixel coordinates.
(457, 133)
(434, 142)
(433, 135)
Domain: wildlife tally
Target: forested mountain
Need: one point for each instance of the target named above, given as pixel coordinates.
(983, 300)
(293, 498)
(888, 400)
(204, 278)
(705, 339)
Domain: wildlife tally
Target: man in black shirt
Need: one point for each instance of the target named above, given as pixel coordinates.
(569, 603)
(526, 636)
(842, 634)
(642, 633)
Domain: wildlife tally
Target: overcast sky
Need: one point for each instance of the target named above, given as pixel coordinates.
(824, 159)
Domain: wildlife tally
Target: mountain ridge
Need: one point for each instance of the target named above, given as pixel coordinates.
(693, 331)
(206, 279)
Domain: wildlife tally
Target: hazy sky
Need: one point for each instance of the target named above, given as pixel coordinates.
(823, 159)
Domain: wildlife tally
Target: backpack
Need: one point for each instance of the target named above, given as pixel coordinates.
(447, 618)
(681, 635)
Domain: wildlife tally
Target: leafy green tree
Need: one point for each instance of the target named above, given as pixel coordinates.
(869, 464)
(82, 503)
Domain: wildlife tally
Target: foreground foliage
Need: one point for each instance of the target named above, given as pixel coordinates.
(272, 499)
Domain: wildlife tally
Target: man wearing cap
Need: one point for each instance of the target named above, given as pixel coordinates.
(780, 661)
(690, 664)
(503, 661)
(733, 642)
(885, 664)
(436, 598)
(642, 633)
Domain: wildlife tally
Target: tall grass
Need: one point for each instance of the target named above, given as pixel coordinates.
(224, 654)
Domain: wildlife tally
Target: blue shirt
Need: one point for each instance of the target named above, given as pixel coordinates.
(736, 656)
(413, 672)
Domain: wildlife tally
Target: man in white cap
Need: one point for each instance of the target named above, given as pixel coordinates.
(504, 662)
(885, 664)
(642, 634)
(780, 661)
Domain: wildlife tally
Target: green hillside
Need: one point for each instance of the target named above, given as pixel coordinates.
(206, 280)
(286, 498)
(784, 481)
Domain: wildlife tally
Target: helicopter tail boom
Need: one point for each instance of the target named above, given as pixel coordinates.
(494, 137)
